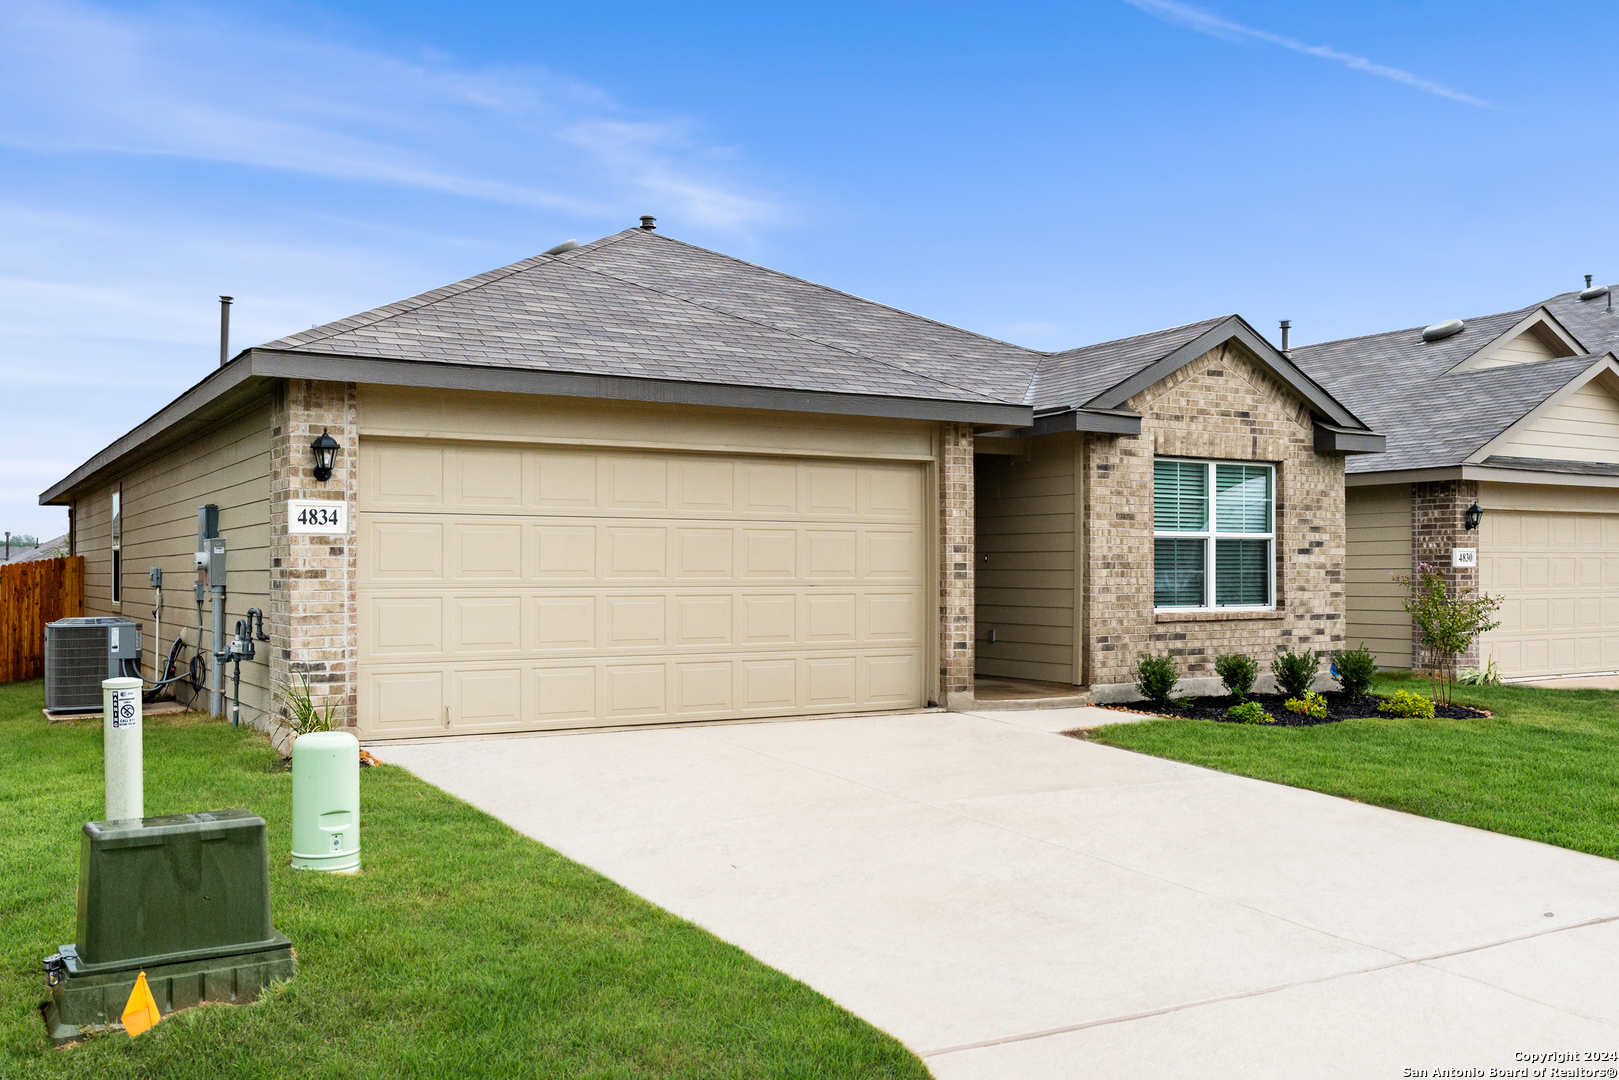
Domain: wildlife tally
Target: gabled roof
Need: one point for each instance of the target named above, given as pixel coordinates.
(1436, 411)
(640, 316)
(1548, 338)
(641, 305)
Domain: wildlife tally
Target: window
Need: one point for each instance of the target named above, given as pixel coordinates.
(117, 546)
(1219, 558)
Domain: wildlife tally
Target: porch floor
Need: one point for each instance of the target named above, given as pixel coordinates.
(1003, 693)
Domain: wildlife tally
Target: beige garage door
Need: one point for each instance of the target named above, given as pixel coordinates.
(516, 589)
(1559, 575)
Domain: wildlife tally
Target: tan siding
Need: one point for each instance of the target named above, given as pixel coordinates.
(408, 412)
(1583, 427)
(228, 464)
(1026, 562)
(1526, 348)
(1379, 529)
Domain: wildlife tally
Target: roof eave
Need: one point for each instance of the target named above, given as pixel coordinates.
(259, 365)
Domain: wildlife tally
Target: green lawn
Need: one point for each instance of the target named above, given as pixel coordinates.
(1545, 767)
(463, 950)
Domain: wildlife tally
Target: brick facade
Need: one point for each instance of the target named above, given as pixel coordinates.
(313, 604)
(1438, 524)
(1224, 405)
(956, 526)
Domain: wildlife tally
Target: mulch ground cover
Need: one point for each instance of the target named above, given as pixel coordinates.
(1339, 707)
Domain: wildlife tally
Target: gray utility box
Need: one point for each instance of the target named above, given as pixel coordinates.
(79, 653)
(185, 899)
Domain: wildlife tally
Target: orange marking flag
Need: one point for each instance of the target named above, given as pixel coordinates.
(141, 1011)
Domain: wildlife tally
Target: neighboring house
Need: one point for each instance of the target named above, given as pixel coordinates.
(641, 482)
(49, 549)
(1517, 414)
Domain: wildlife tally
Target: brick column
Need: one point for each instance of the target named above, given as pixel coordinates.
(313, 607)
(1438, 513)
(956, 656)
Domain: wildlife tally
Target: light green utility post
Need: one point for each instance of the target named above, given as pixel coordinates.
(326, 802)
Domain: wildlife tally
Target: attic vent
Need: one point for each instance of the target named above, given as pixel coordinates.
(566, 245)
(1439, 331)
(1591, 292)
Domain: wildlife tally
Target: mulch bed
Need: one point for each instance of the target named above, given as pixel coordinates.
(1339, 707)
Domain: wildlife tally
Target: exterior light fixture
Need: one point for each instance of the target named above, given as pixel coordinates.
(1475, 514)
(326, 448)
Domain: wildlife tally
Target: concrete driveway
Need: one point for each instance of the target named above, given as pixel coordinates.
(1013, 903)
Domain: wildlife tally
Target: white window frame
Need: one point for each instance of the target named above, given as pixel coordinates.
(1211, 533)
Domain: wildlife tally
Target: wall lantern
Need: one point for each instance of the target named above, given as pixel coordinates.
(1475, 514)
(326, 448)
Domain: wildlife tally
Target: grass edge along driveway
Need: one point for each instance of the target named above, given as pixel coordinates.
(463, 949)
(1543, 767)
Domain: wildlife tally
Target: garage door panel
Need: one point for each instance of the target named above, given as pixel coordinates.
(565, 552)
(769, 490)
(488, 624)
(490, 479)
(515, 588)
(486, 552)
(564, 623)
(705, 620)
(565, 695)
(487, 699)
(403, 702)
(635, 622)
(1558, 575)
(704, 553)
(559, 481)
(410, 550)
(704, 485)
(403, 626)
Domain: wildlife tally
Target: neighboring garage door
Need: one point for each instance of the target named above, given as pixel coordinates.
(518, 589)
(1559, 577)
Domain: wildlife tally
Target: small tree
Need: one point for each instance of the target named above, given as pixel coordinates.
(1447, 623)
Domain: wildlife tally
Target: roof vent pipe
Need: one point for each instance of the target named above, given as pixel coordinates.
(1441, 330)
(1591, 292)
(1287, 324)
(224, 329)
(648, 222)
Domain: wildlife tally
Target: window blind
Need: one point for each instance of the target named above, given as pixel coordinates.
(1180, 496)
(1242, 498)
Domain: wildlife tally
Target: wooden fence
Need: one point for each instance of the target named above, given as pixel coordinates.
(32, 594)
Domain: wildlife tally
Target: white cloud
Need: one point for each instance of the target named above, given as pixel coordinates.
(189, 84)
(1204, 22)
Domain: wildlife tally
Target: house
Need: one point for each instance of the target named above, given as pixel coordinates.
(1516, 414)
(636, 481)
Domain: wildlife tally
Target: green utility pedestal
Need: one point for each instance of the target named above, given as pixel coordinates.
(185, 899)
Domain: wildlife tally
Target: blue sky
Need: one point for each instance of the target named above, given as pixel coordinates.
(1051, 174)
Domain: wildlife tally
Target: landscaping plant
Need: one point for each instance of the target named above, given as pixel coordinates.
(1488, 675)
(1295, 672)
(1405, 703)
(301, 715)
(1249, 712)
(1238, 671)
(1355, 669)
(1447, 623)
(1156, 677)
(1310, 704)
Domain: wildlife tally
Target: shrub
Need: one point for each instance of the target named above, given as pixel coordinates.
(1354, 671)
(1249, 712)
(1295, 671)
(1447, 624)
(1311, 704)
(1405, 703)
(1156, 677)
(1238, 671)
(1488, 675)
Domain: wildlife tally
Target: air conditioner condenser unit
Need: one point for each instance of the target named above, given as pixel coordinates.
(79, 653)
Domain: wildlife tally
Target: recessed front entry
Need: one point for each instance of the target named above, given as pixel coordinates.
(507, 589)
